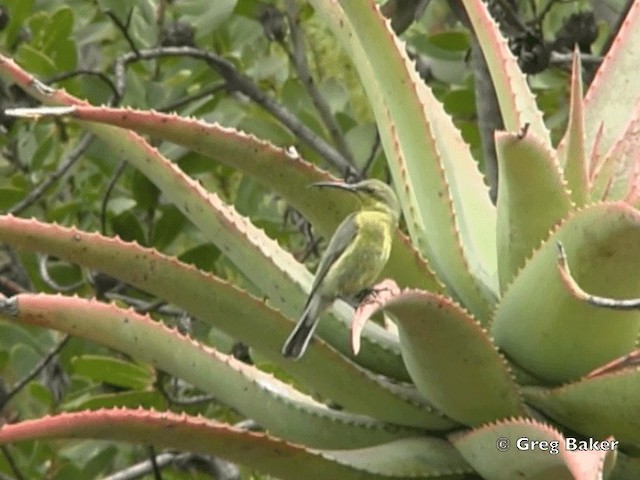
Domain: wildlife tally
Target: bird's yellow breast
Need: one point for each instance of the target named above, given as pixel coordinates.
(362, 261)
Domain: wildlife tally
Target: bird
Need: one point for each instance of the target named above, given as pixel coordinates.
(356, 254)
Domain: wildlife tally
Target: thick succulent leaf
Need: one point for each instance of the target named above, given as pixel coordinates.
(615, 89)
(271, 268)
(618, 175)
(532, 199)
(408, 457)
(257, 450)
(274, 167)
(571, 151)
(517, 103)
(503, 451)
(602, 406)
(276, 406)
(450, 358)
(322, 370)
(543, 328)
(445, 201)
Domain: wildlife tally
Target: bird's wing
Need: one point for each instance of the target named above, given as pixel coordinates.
(342, 238)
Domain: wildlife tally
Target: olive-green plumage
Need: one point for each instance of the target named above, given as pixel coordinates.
(355, 256)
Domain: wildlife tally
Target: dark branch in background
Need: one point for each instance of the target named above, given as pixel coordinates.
(237, 81)
(299, 59)
(218, 469)
(487, 107)
(112, 183)
(35, 194)
(35, 372)
(154, 465)
(171, 107)
(102, 76)
(372, 155)
(124, 28)
(14, 468)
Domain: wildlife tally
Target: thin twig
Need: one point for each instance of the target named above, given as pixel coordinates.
(102, 76)
(124, 27)
(11, 462)
(299, 60)
(171, 107)
(237, 81)
(39, 190)
(35, 371)
(107, 194)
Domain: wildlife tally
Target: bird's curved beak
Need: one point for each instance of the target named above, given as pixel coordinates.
(349, 187)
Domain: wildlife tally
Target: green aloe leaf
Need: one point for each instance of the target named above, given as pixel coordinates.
(517, 103)
(597, 407)
(614, 91)
(257, 450)
(505, 450)
(532, 199)
(273, 167)
(571, 151)
(546, 331)
(275, 405)
(271, 268)
(230, 309)
(451, 358)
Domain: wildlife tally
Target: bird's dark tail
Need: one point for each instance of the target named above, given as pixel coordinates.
(299, 338)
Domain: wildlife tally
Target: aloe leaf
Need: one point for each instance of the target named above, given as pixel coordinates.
(451, 358)
(547, 331)
(619, 172)
(276, 406)
(407, 457)
(504, 450)
(532, 199)
(596, 407)
(445, 201)
(169, 430)
(270, 268)
(230, 309)
(615, 89)
(571, 151)
(517, 103)
(274, 167)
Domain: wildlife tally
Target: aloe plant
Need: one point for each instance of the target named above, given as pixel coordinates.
(496, 368)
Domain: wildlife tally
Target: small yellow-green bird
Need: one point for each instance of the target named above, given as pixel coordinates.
(355, 256)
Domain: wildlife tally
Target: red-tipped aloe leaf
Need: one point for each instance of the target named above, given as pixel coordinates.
(517, 103)
(543, 328)
(451, 359)
(523, 448)
(260, 258)
(532, 199)
(169, 430)
(615, 89)
(618, 176)
(232, 310)
(276, 406)
(571, 151)
(273, 167)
